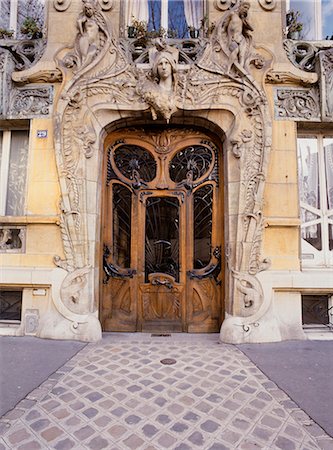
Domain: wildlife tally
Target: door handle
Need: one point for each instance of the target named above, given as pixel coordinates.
(158, 282)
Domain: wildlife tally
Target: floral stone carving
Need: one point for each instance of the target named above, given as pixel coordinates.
(298, 104)
(31, 102)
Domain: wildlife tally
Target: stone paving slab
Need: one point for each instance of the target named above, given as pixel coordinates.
(117, 394)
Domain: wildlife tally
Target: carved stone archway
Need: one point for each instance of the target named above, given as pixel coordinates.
(103, 88)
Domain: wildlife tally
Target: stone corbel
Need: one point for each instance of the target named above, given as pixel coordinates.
(268, 5)
(106, 5)
(223, 5)
(61, 5)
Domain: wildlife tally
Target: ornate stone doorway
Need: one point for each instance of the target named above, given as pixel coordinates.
(162, 232)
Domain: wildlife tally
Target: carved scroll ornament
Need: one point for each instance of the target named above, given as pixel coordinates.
(31, 102)
(298, 104)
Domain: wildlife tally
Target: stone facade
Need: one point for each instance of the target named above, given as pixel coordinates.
(90, 81)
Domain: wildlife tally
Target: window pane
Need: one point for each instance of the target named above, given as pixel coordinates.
(135, 163)
(4, 14)
(177, 25)
(307, 17)
(312, 235)
(308, 171)
(191, 164)
(315, 309)
(154, 8)
(162, 237)
(10, 305)
(330, 235)
(0, 147)
(30, 8)
(122, 207)
(17, 173)
(328, 155)
(327, 18)
(203, 215)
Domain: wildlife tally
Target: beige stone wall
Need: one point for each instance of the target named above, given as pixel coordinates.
(281, 205)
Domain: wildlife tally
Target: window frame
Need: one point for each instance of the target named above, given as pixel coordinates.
(323, 257)
(164, 19)
(5, 167)
(316, 18)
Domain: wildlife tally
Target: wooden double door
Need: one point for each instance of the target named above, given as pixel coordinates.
(162, 232)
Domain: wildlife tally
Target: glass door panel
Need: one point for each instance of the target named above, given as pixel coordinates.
(162, 237)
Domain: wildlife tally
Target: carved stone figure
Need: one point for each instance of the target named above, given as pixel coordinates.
(160, 92)
(326, 64)
(92, 32)
(238, 31)
(230, 46)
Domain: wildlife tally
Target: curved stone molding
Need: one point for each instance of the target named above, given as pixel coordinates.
(61, 5)
(297, 104)
(31, 102)
(268, 5)
(303, 53)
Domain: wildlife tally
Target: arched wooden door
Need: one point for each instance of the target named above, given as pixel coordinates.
(162, 232)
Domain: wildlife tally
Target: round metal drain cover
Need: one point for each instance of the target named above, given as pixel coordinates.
(168, 361)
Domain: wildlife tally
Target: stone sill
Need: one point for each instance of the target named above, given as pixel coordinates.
(10, 323)
(25, 220)
(282, 222)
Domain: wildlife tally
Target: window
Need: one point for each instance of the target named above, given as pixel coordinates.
(317, 310)
(316, 16)
(13, 13)
(174, 16)
(315, 169)
(13, 171)
(10, 305)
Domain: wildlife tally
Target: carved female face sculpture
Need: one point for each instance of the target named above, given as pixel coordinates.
(164, 65)
(164, 69)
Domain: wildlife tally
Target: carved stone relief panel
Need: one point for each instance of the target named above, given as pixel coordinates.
(326, 83)
(12, 239)
(29, 102)
(297, 104)
(31, 321)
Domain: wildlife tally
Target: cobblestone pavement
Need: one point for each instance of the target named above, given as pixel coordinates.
(117, 394)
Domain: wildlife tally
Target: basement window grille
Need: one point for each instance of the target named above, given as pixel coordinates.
(10, 305)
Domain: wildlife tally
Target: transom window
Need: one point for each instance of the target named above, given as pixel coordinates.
(13, 171)
(316, 17)
(174, 16)
(315, 169)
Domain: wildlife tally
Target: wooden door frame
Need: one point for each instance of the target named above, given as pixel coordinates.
(185, 210)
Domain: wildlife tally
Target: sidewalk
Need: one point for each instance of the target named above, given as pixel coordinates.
(118, 394)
